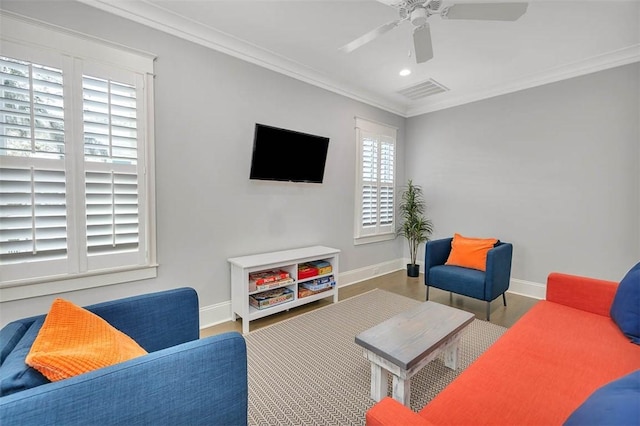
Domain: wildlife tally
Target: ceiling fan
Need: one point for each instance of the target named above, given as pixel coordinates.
(418, 11)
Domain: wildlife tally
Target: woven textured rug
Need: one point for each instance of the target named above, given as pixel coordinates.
(307, 370)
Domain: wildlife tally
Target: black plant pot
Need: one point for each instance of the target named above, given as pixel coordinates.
(413, 270)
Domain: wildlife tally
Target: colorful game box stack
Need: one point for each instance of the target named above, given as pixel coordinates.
(265, 280)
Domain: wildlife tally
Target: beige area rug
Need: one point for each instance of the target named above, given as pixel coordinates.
(308, 370)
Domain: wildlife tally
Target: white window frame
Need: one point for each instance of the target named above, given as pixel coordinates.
(383, 133)
(77, 54)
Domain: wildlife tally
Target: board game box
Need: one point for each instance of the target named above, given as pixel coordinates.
(270, 298)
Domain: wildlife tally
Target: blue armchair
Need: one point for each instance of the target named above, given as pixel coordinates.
(182, 380)
(484, 285)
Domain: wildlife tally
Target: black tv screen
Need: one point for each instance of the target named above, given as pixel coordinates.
(287, 155)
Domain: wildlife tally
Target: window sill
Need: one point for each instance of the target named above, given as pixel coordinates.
(373, 239)
(55, 285)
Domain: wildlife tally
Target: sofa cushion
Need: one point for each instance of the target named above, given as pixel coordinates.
(616, 403)
(10, 335)
(73, 341)
(15, 375)
(625, 310)
(465, 281)
(546, 383)
(470, 252)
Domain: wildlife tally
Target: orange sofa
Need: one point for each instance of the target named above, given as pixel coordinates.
(540, 370)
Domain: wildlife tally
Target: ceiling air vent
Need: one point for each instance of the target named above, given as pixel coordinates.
(422, 90)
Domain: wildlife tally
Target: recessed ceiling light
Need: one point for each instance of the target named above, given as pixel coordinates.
(405, 72)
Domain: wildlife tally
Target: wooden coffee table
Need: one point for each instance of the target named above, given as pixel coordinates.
(402, 345)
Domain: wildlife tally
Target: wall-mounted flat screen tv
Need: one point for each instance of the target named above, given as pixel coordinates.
(287, 155)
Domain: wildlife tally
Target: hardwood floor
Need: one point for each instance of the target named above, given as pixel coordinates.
(398, 282)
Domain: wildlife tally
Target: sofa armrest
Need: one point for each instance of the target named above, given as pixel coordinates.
(436, 253)
(587, 294)
(199, 382)
(498, 270)
(390, 412)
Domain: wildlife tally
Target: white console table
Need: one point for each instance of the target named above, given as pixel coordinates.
(287, 260)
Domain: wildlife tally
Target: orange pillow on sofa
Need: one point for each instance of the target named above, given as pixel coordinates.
(470, 252)
(73, 341)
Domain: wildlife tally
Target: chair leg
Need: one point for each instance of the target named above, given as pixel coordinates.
(488, 311)
(427, 292)
(504, 299)
(450, 298)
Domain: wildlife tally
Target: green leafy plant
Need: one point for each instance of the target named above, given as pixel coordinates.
(413, 225)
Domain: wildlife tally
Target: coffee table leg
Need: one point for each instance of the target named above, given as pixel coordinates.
(402, 390)
(378, 382)
(451, 355)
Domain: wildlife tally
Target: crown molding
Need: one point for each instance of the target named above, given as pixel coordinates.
(156, 17)
(166, 21)
(597, 63)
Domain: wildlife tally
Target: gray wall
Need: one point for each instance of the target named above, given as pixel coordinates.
(208, 210)
(553, 169)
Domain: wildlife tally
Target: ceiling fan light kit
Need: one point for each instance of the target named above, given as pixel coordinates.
(419, 11)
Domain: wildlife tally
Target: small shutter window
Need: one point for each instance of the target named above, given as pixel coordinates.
(376, 181)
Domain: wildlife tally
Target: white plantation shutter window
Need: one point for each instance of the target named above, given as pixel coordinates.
(375, 182)
(369, 172)
(75, 177)
(111, 177)
(33, 223)
(386, 182)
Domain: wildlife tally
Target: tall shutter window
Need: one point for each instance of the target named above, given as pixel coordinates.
(111, 175)
(376, 182)
(76, 161)
(33, 206)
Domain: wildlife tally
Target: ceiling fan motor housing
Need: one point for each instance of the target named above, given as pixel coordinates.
(419, 16)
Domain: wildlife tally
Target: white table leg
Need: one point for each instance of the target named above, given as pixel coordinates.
(451, 355)
(402, 390)
(378, 382)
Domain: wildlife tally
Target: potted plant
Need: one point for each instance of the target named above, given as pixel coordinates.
(413, 225)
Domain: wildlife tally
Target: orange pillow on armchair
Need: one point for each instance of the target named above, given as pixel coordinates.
(470, 252)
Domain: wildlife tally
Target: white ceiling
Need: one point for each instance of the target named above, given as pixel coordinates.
(473, 59)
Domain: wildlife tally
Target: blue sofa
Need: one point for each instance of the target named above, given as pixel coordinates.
(483, 285)
(182, 380)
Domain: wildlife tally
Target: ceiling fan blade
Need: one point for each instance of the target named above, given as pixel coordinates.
(360, 41)
(422, 43)
(486, 11)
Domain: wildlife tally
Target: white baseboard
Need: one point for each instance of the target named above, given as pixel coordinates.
(368, 272)
(527, 288)
(221, 312)
(215, 314)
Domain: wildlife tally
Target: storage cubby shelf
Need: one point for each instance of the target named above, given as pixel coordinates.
(287, 260)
